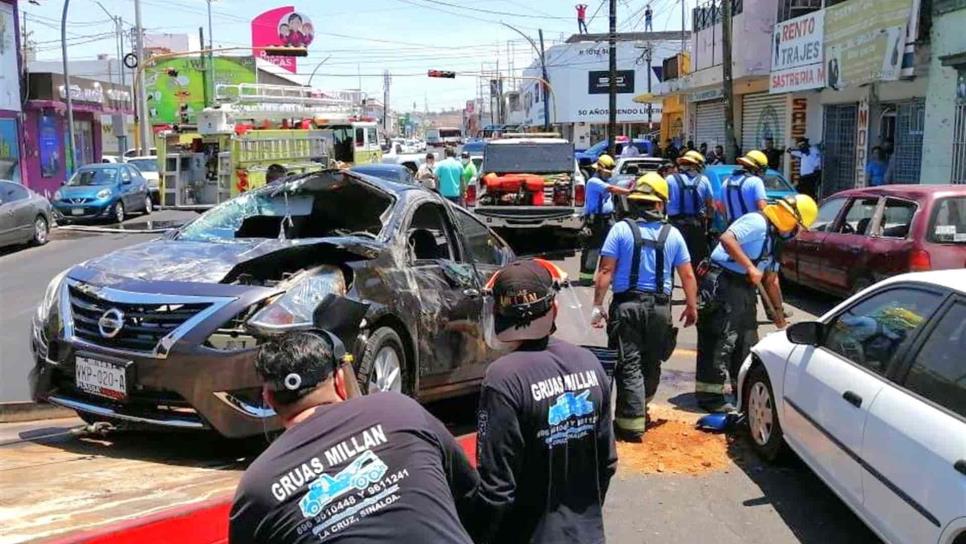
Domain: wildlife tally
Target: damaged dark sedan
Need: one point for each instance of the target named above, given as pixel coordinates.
(159, 334)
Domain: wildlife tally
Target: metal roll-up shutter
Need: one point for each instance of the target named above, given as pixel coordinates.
(710, 123)
(763, 116)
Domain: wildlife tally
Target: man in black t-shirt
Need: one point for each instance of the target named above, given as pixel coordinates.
(545, 438)
(378, 468)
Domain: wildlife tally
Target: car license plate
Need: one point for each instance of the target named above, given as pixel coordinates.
(100, 378)
(77, 211)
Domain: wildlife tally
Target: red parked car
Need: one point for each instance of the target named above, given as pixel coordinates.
(862, 236)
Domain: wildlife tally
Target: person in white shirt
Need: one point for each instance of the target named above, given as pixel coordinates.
(810, 167)
(427, 172)
(630, 150)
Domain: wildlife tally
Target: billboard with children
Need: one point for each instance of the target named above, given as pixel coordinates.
(281, 27)
(176, 87)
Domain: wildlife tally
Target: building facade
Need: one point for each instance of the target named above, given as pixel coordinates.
(579, 80)
(944, 145)
(11, 150)
(45, 158)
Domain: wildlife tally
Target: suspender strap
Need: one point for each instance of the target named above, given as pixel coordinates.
(657, 245)
(767, 246)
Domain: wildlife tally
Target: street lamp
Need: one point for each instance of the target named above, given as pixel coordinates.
(70, 103)
(543, 70)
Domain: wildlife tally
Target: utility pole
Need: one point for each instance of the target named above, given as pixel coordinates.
(211, 58)
(731, 148)
(546, 80)
(683, 38)
(67, 89)
(386, 79)
(648, 56)
(612, 81)
(144, 119)
(122, 131)
(206, 73)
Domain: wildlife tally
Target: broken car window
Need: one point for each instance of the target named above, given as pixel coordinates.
(318, 207)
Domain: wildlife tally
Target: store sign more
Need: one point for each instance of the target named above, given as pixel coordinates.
(798, 61)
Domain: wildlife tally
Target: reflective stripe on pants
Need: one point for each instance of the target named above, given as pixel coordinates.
(636, 329)
(726, 333)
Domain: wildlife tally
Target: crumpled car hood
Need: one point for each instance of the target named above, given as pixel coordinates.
(208, 262)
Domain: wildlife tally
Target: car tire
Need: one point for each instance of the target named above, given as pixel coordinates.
(383, 366)
(148, 204)
(764, 429)
(41, 231)
(119, 212)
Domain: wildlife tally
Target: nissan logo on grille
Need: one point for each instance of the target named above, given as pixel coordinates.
(111, 323)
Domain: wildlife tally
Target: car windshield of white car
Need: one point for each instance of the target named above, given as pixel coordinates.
(94, 176)
(145, 165)
(315, 207)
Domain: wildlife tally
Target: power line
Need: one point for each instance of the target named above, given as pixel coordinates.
(492, 12)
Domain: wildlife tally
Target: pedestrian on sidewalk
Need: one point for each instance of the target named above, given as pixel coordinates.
(810, 167)
(637, 262)
(718, 156)
(648, 19)
(545, 438)
(408, 461)
(728, 320)
(774, 154)
(877, 167)
(449, 173)
(581, 18)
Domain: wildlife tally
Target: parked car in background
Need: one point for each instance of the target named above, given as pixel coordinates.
(589, 156)
(872, 397)
(160, 333)
(103, 191)
(474, 147)
(628, 170)
(398, 173)
(776, 186)
(24, 215)
(131, 153)
(111, 159)
(865, 235)
(148, 166)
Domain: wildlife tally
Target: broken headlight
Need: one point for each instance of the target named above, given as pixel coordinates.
(294, 308)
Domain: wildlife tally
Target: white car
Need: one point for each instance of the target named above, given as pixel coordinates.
(872, 396)
(148, 166)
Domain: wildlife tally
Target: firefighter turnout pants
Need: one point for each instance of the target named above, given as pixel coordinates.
(637, 328)
(727, 329)
(695, 236)
(599, 225)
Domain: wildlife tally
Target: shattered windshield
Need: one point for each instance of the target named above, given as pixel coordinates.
(317, 207)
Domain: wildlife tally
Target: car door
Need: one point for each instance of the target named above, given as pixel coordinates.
(139, 187)
(127, 188)
(449, 296)
(915, 436)
(18, 211)
(802, 257)
(8, 224)
(829, 389)
(844, 250)
(890, 244)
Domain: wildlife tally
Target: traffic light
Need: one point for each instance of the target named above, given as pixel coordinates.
(286, 51)
(442, 73)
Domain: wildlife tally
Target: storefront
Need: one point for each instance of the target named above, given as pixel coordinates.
(46, 161)
(763, 117)
(11, 166)
(709, 123)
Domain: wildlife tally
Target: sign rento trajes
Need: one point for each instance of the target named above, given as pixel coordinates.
(797, 61)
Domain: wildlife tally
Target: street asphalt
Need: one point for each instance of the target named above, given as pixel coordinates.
(739, 500)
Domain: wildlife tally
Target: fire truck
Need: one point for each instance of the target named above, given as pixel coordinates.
(255, 127)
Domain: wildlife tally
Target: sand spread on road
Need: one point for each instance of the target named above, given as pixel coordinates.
(673, 446)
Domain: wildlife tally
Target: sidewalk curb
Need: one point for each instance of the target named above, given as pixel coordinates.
(15, 412)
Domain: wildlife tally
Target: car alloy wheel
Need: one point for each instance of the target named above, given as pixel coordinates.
(148, 205)
(41, 231)
(119, 212)
(759, 413)
(764, 427)
(386, 371)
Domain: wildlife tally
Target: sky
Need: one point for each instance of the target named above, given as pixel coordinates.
(406, 37)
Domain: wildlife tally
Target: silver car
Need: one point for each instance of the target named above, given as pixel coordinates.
(24, 215)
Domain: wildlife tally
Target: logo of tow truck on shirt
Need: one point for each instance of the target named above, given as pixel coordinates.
(570, 405)
(366, 469)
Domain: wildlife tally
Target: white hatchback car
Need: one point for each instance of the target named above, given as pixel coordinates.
(872, 397)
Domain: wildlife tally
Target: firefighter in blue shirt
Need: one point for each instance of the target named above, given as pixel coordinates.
(637, 262)
(598, 214)
(744, 191)
(690, 203)
(728, 322)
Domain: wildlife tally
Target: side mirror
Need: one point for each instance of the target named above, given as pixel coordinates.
(808, 333)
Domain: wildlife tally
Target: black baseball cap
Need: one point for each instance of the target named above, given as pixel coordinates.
(523, 295)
